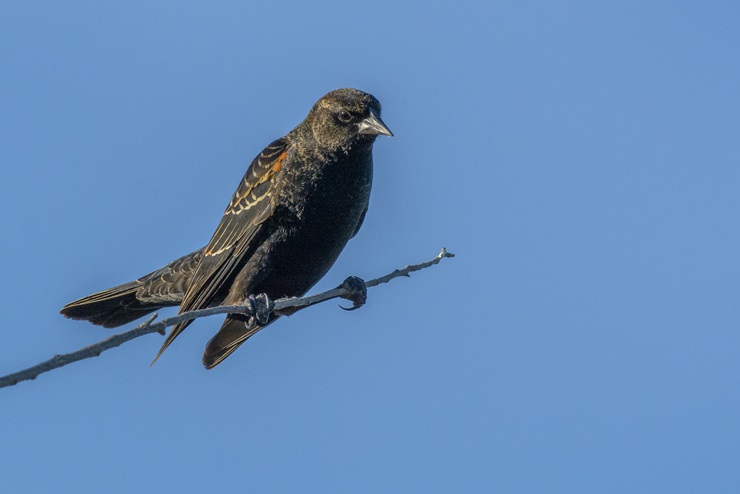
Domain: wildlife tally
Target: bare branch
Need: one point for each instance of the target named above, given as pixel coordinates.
(283, 306)
(290, 305)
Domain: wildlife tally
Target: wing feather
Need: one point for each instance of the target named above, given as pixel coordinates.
(237, 235)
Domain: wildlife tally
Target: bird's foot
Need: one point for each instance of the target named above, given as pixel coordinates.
(259, 308)
(357, 292)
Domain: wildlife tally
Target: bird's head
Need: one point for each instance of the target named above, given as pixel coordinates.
(345, 117)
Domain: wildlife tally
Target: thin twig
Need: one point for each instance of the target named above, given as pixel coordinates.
(283, 306)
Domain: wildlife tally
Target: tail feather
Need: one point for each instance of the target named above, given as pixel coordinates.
(125, 303)
(232, 334)
(112, 307)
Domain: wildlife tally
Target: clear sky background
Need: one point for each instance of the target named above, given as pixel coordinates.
(580, 158)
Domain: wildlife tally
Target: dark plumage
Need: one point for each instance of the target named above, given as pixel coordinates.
(302, 198)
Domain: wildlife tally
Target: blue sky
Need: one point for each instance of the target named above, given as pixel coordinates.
(580, 158)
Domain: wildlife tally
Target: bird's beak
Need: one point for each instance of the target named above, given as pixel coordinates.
(373, 125)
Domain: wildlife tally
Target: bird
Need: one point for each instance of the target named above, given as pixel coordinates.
(299, 203)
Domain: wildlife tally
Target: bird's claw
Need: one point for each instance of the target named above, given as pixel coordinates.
(356, 292)
(259, 308)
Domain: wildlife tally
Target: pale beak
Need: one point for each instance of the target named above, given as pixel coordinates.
(373, 125)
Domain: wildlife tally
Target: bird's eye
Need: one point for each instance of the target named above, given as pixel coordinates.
(344, 116)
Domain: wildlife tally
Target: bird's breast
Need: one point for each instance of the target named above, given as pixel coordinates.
(326, 203)
(328, 195)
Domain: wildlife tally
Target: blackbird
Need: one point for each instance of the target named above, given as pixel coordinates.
(301, 200)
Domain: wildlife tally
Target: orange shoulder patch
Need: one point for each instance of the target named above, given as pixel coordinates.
(279, 162)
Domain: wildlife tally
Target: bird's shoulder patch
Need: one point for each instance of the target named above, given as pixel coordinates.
(255, 186)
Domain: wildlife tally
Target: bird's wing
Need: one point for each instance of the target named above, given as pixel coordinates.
(359, 223)
(233, 242)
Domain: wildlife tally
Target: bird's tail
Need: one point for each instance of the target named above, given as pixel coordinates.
(124, 303)
(232, 334)
(112, 307)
